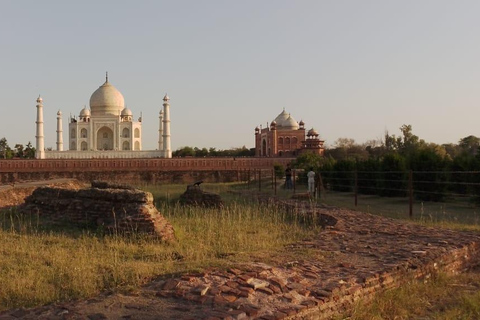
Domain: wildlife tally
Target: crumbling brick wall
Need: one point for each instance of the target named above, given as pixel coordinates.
(112, 207)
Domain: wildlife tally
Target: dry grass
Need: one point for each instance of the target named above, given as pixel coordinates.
(40, 265)
(441, 298)
(457, 213)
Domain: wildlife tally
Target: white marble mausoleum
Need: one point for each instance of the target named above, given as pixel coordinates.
(106, 130)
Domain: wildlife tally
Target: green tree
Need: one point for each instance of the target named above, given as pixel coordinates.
(29, 152)
(469, 145)
(309, 160)
(201, 152)
(19, 151)
(393, 178)
(429, 178)
(184, 152)
(3, 147)
(5, 150)
(368, 175)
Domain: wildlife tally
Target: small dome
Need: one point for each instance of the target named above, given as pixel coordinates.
(290, 124)
(127, 112)
(274, 123)
(59, 113)
(285, 121)
(85, 112)
(281, 117)
(166, 98)
(257, 129)
(39, 99)
(312, 132)
(106, 100)
(301, 123)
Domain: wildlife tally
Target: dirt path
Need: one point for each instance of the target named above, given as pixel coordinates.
(360, 255)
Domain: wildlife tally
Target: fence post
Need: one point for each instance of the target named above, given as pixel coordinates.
(356, 188)
(259, 180)
(293, 180)
(410, 193)
(275, 182)
(273, 173)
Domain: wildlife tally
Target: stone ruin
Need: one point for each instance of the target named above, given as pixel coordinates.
(195, 196)
(115, 208)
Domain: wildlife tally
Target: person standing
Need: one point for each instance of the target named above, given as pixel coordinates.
(288, 177)
(311, 181)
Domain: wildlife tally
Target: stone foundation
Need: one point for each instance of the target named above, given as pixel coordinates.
(195, 196)
(115, 208)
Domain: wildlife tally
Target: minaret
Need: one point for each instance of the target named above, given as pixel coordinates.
(160, 131)
(59, 131)
(40, 145)
(167, 153)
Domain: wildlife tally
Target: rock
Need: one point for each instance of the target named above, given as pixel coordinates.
(257, 283)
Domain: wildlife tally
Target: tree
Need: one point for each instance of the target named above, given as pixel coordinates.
(29, 152)
(19, 150)
(184, 152)
(309, 160)
(469, 145)
(3, 147)
(5, 151)
(200, 152)
(393, 182)
(346, 148)
(429, 178)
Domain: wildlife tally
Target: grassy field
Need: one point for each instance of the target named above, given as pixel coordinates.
(41, 265)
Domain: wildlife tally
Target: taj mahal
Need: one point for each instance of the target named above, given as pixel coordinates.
(106, 130)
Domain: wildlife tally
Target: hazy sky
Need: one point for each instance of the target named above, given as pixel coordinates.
(347, 68)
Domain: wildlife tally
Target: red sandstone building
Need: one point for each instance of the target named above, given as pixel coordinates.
(286, 137)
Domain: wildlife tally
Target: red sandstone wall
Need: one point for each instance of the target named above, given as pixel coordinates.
(177, 164)
(178, 170)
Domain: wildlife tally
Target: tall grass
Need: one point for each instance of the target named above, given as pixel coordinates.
(40, 265)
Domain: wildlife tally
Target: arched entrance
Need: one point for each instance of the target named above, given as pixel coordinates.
(105, 139)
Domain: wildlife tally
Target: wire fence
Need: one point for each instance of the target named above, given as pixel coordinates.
(445, 195)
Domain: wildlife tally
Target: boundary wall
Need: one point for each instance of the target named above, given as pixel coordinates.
(175, 170)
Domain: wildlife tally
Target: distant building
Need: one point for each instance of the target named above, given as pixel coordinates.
(106, 130)
(285, 137)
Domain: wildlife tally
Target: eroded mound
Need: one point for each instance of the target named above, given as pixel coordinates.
(121, 210)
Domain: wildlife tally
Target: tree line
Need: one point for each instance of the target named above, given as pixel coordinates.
(19, 151)
(383, 167)
(213, 152)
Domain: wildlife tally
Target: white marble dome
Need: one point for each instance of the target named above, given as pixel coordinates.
(281, 118)
(106, 100)
(285, 121)
(290, 124)
(312, 132)
(127, 112)
(84, 112)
